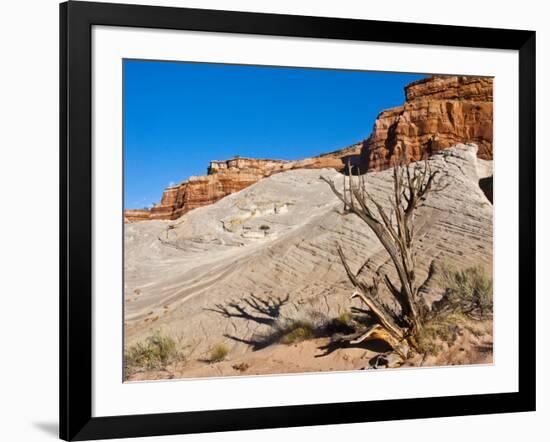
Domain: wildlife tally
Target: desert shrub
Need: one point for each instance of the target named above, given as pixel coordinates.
(474, 330)
(468, 295)
(343, 324)
(468, 291)
(289, 330)
(264, 227)
(297, 331)
(439, 329)
(307, 325)
(155, 352)
(218, 353)
(345, 319)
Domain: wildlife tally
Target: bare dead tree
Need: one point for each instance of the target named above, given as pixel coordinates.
(395, 229)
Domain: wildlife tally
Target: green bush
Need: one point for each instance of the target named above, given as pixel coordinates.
(468, 291)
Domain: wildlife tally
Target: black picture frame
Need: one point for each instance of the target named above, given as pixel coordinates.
(76, 21)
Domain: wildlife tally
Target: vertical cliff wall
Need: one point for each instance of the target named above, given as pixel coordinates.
(438, 113)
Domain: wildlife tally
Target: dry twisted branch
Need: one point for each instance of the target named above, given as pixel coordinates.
(395, 230)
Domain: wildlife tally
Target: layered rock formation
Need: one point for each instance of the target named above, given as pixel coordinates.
(439, 112)
(230, 176)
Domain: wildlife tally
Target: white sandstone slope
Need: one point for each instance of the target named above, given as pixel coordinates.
(225, 273)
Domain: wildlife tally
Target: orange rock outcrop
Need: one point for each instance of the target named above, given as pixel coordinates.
(438, 113)
(230, 176)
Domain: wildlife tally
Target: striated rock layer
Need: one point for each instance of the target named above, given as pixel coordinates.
(439, 112)
(230, 176)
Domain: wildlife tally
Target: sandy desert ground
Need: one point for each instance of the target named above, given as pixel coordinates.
(231, 273)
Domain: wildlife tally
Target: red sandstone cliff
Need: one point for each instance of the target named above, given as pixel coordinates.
(438, 113)
(229, 176)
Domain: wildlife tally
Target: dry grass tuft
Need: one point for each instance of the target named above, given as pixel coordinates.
(468, 298)
(155, 352)
(468, 291)
(297, 331)
(218, 353)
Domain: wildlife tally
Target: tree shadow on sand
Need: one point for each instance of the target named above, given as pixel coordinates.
(268, 312)
(362, 319)
(339, 343)
(258, 310)
(253, 308)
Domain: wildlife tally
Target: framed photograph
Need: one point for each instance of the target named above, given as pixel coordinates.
(273, 220)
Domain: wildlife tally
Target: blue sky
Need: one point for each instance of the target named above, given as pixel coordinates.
(179, 116)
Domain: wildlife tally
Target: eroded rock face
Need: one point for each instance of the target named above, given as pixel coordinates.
(137, 215)
(438, 113)
(230, 176)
